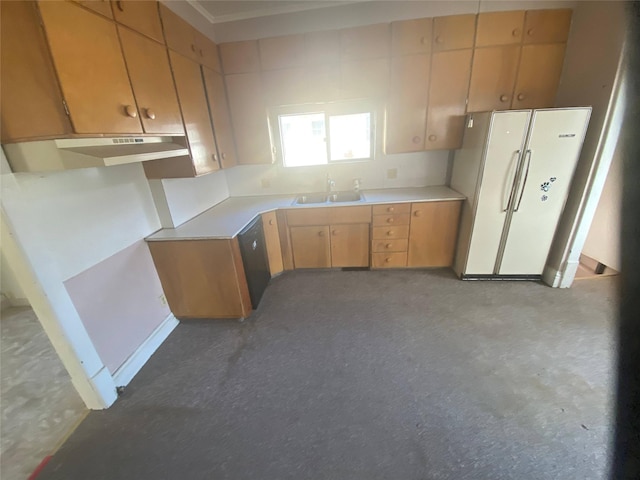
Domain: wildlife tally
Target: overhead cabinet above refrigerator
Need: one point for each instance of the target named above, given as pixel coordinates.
(515, 168)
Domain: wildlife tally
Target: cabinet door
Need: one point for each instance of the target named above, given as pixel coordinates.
(193, 104)
(282, 52)
(93, 76)
(350, 245)
(249, 118)
(272, 241)
(322, 48)
(364, 78)
(179, 34)
(311, 248)
(411, 36)
(547, 26)
(30, 100)
(538, 76)
(240, 57)
(103, 7)
(433, 233)
(207, 51)
(141, 15)
(499, 28)
(286, 86)
(493, 77)
(450, 73)
(217, 98)
(152, 83)
(453, 32)
(407, 105)
(371, 41)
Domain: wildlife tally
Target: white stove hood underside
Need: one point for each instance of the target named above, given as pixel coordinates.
(51, 155)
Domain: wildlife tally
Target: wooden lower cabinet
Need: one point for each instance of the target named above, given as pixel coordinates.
(202, 278)
(272, 241)
(311, 247)
(432, 234)
(350, 245)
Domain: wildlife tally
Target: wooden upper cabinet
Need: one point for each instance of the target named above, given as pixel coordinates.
(217, 98)
(240, 57)
(30, 101)
(350, 245)
(453, 32)
(287, 86)
(322, 48)
(432, 238)
(311, 246)
(371, 41)
(493, 77)
(450, 73)
(411, 36)
(103, 7)
(249, 118)
(547, 26)
(364, 78)
(141, 15)
(538, 76)
(150, 75)
(407, 104)
(88, 58)
(282, 52)
(179, 34)
(193, 104)
(499, 28)
(207, 51)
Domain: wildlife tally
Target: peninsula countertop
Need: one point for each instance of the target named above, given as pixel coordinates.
(228, 218)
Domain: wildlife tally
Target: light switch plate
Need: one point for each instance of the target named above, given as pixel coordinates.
(392, 173)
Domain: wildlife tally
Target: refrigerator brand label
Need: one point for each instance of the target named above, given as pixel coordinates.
(567, 135)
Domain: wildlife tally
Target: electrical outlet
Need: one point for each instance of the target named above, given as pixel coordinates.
(163, 299)
(392, 173)
(266, 183)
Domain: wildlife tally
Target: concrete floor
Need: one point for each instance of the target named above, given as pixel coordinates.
(370, 375)
(39, 405)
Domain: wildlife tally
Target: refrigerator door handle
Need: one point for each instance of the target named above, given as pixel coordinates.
(527, 156)
(513, 181)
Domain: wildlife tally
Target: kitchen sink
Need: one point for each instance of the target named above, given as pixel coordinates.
(308, 199)
(345, 197)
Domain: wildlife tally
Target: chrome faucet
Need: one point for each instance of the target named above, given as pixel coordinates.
(357, 184)
(330, 183)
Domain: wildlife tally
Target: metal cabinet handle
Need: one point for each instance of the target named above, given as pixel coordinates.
(524, 182)
(417, 213)
(119, 5)
(151, 115)
(513, 181)
(131, 111)
(504, 98)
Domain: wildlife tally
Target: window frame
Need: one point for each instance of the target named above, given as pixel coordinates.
(329, 109)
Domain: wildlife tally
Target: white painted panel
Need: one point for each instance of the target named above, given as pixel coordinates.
(553, 148)
(503, 152)
(188, 197)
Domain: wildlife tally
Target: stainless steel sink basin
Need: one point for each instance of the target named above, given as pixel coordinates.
(345, 197)
(307, 199)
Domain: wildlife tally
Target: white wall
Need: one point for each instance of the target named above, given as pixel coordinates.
(590, 77)
(10, 288)
(603, 242)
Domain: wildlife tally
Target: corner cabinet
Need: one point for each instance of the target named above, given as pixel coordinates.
(202, 278)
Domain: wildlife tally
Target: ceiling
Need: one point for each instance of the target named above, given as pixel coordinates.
(229, 11)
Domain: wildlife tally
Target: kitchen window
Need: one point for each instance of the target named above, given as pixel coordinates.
(321, 134)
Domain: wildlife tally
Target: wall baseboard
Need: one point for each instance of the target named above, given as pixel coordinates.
(136, 361)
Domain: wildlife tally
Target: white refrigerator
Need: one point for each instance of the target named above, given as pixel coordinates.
(515, 168)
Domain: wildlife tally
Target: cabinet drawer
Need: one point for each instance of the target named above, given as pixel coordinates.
(391, 208)
(359, 214)
(391, 232)
(389, 260)
(393, 219)
(394, 245)
(308, 216)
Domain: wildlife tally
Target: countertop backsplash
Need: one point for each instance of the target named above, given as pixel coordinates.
(410, 170)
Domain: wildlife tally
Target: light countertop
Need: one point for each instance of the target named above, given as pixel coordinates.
(228, 218)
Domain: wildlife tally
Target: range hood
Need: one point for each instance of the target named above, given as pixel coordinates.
(63, 154)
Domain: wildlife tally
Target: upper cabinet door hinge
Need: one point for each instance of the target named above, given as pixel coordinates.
(66, 108)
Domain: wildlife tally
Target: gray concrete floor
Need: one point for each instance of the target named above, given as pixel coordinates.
(38, 403)
(370, 375)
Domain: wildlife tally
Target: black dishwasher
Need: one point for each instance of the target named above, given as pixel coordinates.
(254, 258)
